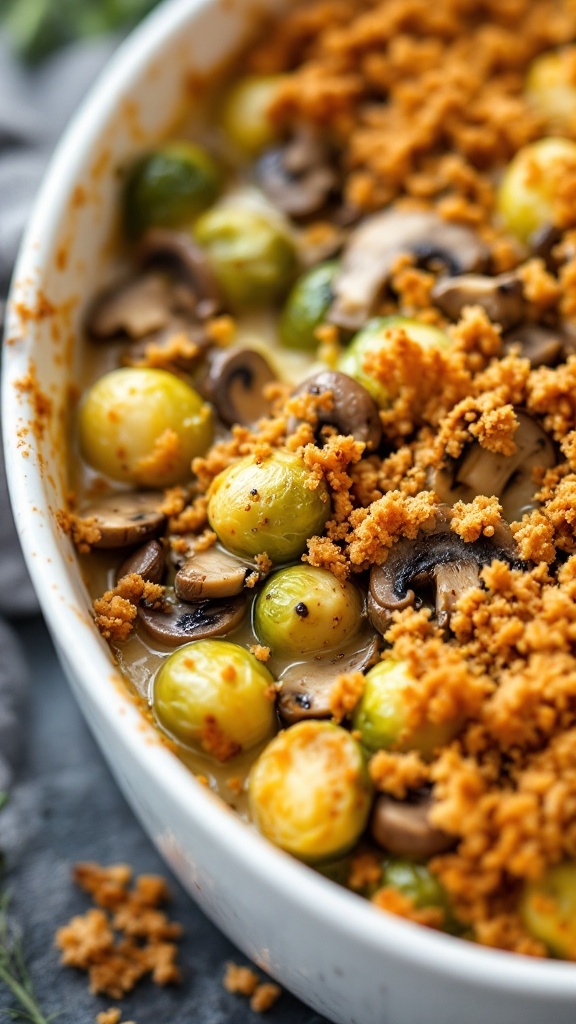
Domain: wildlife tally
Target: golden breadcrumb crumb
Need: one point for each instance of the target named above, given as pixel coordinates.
(117, 608)
(345, 694)
(244, 981)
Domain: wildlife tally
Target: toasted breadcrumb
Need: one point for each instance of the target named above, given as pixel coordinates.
(477, 518)
(345, 694)
(117, 608)
(265, 995)
(396, 773)
(84, 532)
(244, 981)
(164, 458)
(125, 936)
(215, 742)
(112, 1016)
(397, 903)
(260, 652)
(365, 870)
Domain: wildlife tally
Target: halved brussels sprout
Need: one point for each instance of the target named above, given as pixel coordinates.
(143, 426)
(258, 505)
(527, 193)
(306, 307)
(551, 88)
(548, 909)
(170, 187)
(310, 792)
(245, 112)
(214, 694)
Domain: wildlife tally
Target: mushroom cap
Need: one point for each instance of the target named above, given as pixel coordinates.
(235, 385)
(306, 689)
(148, 561)
(542, 344)
(125, 518)
(298, 177)
(178, 253)
(353, 411)
(509, 477)
(403, 827)
(212, 574)
(501, 298)
(417, 562)
(136, 307)
(184, 621)
(374, 246)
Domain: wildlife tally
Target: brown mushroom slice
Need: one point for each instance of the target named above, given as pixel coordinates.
(299, 178)
(135, 308)
(374, 246)
(184, 621)
(353, 411)
(212, 574)
(420, 564)
(126, 518)
(148, 561)
(403, 827)
(509, 477)
(235, 385)
(307, 688)
(542, 345)
(501, 298)
(176, 252)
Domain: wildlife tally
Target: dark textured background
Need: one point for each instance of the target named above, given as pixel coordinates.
(64, 806)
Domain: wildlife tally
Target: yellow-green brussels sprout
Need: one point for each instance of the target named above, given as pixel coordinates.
(143, 426)
(527, 196)
(381, 716)
(306, 307)
(548, 909)
(310, 792)
(253, 259)
(245, 112)
(267, 504)
(418, 884)
(170, 187)
(551, 88)
(215, 695)
(374, 338)
(304, 610)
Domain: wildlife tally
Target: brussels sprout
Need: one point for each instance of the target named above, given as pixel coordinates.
(550, 87)
(548, 909)
(245, 112)
(304, 610)
(375, 337)
(310, 792)
(414, 881)
(259, 505)
(527, 192)
(253, 259)
(381, 714)
(143, 426)
(216, 695)
(306, 307)
(170, 187)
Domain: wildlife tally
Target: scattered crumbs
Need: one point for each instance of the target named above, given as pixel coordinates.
(41, 404)
(215, 741)
(112, 1016)
(244, 981)
(365, 870)
(125, 936)
(83, 532)
(116, 610)
(235, 784)
(221, 330)
(397, 903)
(397, 773)
(164, 459)
(345, 694)
(260, 652)
(477, 518)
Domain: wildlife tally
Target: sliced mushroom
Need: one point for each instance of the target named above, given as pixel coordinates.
(176, 252)
(403, 827)
(183, 621)
(422, 564)
(212, 574)
(235, 385)
(542, 345)
(148, 561)
(137, 307)
(353, 411)
(543, 242)
(307, 688)
(127, 518)
(374, 246)
(299, 177)
(509, 477)
(501, 297)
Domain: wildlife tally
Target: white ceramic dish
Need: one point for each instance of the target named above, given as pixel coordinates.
(348, 960)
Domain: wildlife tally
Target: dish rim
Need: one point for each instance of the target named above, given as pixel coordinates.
(341, 910)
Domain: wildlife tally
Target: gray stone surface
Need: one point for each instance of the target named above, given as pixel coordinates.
(65, 807)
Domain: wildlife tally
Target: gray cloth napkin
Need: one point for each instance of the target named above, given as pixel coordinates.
(34, 108)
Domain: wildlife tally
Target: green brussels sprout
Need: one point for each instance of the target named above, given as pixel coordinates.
(551, 89)
(373, 338)
(306, 307)
(143, 426)
(414, 881)
(527, 194)
(548, 909)
(304, 610)
(170, 187)
(253, 259)
(258, 505)
(245, 112)
(215, 695)
(309, 791)
(381, 714)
